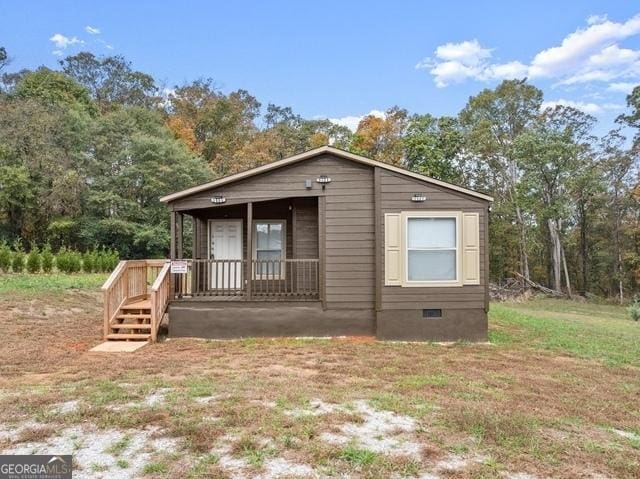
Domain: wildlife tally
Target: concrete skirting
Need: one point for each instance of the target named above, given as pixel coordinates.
(454, 325)
(219, 320)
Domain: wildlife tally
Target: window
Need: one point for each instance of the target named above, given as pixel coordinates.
(269, 248)
(432, 249)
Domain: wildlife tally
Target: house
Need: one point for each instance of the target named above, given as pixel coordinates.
(324, 243)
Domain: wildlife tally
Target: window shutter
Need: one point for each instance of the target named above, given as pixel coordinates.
(470, 248)
(392, 253)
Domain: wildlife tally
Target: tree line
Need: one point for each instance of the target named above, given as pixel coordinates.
(87, 149)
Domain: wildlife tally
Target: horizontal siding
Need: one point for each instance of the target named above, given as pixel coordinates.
(396, 192)
(306, 234)
(350, 282)
(349, 220)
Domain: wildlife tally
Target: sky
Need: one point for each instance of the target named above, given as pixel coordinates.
(344, 59)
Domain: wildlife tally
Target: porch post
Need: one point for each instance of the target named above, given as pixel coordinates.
(172, 253)
(194, 255)
(172, 250)
(322, 246)
(249, 264)
(179, 235)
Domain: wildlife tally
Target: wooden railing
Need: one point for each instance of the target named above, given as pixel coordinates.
(269, 279)
(129, 282)
(160, 294)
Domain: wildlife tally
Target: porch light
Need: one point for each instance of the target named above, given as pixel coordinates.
(218, 200)
(418, 197)
(324, 180)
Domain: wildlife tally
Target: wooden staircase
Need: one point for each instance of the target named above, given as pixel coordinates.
(132, 322)
(136, 296)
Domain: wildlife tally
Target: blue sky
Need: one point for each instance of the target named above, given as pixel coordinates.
(345, 59)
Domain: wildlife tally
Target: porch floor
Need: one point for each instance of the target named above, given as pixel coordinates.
(244, 298)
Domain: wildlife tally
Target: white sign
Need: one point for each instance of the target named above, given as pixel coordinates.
(179, 266)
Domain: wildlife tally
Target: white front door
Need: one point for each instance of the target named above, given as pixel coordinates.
(225, 243)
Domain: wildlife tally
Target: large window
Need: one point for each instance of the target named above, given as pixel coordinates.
(269, 247)
(432, 249)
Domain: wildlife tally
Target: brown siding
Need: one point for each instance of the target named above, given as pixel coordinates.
(349, 220)
(396, 193)
(306, 228)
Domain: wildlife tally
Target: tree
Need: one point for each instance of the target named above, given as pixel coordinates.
(552, 156)
(136, 161)
(54, 88)
(111, 80)
(492, 121)
(433, 147)
(618, 165)
(221, 124)
(382, 138)
(42, 159)
(4, 58)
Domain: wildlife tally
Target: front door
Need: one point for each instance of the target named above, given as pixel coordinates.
(225, 243)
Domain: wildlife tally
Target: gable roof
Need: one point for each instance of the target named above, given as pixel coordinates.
(310, 154)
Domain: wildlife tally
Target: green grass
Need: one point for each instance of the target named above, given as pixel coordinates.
(54, 281)
(584, 330)
(358, 456)
(155, 468)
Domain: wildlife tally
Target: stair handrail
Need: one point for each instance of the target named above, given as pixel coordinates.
(159, 298)
(112, 304)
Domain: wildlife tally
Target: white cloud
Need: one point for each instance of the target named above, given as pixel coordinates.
(457, 62)
(503, 71)
(352, 121)
(91, 30)
(62, 42)
(58, 53)
(622, 87)
(587, 107)
(580, 45)
(467, 52)
(595, 19)
(614, 55)
(588, 54)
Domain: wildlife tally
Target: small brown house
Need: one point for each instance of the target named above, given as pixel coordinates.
(329, 243)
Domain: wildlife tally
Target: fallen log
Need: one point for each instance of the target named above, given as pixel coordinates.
(539, 287)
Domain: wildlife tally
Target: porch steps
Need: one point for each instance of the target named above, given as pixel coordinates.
(132, 323)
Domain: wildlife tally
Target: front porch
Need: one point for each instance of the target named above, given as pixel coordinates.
(249, 251)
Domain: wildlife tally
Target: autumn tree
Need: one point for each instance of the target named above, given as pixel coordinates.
(382, 138)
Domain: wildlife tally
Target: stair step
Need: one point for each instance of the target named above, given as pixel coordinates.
(144, 304)
(130, 326)
(134, 316)
(128, 336)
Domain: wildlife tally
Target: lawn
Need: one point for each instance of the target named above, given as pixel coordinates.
(554, 394)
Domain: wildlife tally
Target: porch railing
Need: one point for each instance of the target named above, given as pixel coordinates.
(265, 279)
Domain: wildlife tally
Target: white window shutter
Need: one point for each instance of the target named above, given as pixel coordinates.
(470, 248)
(392, 251)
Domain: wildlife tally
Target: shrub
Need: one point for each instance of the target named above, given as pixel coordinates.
(5, 257)
(106, 260)
(17, 263)
(34, 260)
(634, 310)
(62, 260)
(75, 262)
(68, 261)
(47, 258)
(88, 262)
